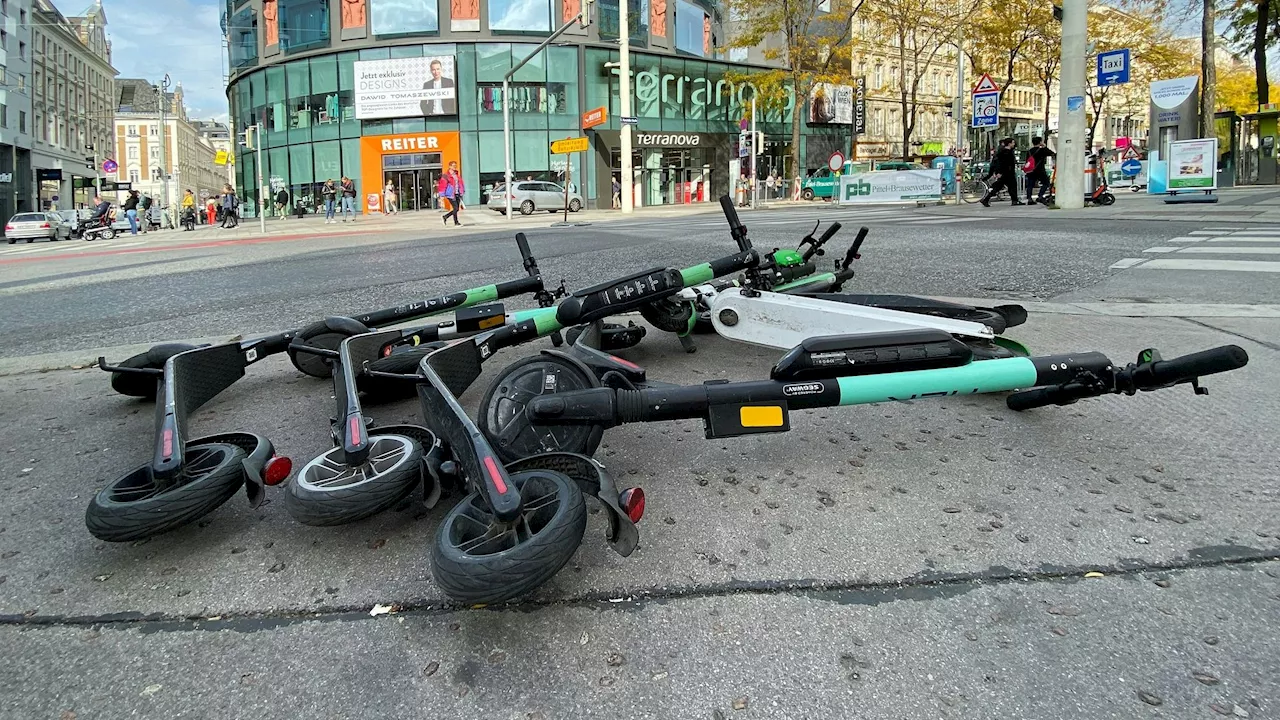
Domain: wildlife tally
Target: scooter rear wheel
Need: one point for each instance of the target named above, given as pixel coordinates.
(403, 360)
(144, 386)
(478, 560)
(322, 334)
(502, 417)
(136, 507)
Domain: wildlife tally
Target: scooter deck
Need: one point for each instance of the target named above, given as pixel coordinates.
(784, 321)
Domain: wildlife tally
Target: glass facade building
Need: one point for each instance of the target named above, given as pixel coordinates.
(295, 74)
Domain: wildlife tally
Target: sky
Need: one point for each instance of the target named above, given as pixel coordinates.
(180, 37)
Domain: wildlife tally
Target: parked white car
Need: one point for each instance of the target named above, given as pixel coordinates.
(36, 225)
(533, 195)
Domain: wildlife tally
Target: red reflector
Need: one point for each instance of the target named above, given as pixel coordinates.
(625, 363)
(167, 440)
(45, 226)
(496, 475)
(632, 502)
(8, 227)
(276, 470)
(354, 425)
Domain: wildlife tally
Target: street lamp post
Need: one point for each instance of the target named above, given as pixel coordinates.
(628, 180)
(164, 147)
(584, 17)
(1071, 121)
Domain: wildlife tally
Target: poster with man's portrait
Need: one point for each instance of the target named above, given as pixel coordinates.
(406, 87)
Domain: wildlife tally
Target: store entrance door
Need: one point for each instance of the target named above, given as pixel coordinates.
(414, 176)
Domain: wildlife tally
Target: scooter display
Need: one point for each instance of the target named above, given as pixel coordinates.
(189, 478)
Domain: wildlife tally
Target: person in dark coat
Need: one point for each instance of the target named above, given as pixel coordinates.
(1003, 173)
(1038, 155)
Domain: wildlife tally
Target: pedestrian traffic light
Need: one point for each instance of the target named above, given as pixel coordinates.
(248, 139)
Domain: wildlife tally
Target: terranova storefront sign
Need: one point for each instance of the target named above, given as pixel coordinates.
(890, 186)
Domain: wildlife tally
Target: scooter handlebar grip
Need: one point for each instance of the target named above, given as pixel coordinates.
(734, 263)
(522, 242)
(795, 272)
(829, 233)
(1188, 367)
(730, 213)
(1038, 397)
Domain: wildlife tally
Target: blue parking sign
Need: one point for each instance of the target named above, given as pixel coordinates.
(1113, 67)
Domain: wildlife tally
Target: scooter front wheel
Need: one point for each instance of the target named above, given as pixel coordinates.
(403, 360)
(502, 410)
(328, 491)
(323, 334)
(479, 560)
(136, 506)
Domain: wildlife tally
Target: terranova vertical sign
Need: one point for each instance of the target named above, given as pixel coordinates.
(890, 186)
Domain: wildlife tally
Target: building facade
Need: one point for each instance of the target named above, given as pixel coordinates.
(161, 154)
(218, 136)
(348, 87)
(72, 101)
(16, 177)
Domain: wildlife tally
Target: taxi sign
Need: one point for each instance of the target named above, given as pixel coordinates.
(570, 145)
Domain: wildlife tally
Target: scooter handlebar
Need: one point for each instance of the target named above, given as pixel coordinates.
(1162, 373)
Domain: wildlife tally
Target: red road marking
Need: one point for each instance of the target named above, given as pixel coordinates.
(186, 246)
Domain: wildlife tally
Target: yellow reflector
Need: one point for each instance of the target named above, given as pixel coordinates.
(494, 321)
(770, 416)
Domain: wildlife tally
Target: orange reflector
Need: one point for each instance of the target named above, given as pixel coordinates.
(768, 416)
(494, 321)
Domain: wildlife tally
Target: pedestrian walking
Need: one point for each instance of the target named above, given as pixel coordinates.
(211, 210)
(130, 208)
(617, 194)
(452, 191)
(330, 194)
(771, 185)
(1003, 174)
(230, 203)
(1036, 169)
(348, 198)
(389, 205)
(144, 214)
(282, 202)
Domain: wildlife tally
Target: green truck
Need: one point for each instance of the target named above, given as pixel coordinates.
(823, 183)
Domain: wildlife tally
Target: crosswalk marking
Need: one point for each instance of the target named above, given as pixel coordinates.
(1227, 265)
(1125, 263)
(1245, 238)
(1204, 232)
(1221, 250)
(1161, 249)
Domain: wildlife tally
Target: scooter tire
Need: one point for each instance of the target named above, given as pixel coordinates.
(144, 386)
(321, 334)
(503, 408)
(217, 473)
(403, 360)
(482, 579)
(319, 506)
(1106, 199)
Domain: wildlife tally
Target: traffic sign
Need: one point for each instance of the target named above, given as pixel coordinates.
(1131, 167)
(570, 145)
(986, 109)
(985, 85)
(836, 161)
(628, 120)
(1131, 153)
(1113, 67)
(109, 166)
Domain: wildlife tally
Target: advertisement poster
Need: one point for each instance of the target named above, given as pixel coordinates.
(464, 15)
(860, 106)
(831, 104)
(1193, 164)
(891, 186)
(405, 87)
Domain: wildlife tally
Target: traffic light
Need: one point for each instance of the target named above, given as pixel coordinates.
(248, 139)
(91, 162)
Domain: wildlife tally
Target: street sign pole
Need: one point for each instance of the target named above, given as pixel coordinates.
(959, 115)
(1071, 123)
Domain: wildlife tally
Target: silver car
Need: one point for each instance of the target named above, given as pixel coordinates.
(33, 225)
(533, 195)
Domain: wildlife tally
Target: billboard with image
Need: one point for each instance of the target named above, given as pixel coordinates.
(831, 104)
(406, 87)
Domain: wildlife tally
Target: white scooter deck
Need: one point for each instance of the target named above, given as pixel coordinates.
(784, 321)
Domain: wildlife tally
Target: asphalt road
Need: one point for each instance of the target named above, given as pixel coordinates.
(1119, 558)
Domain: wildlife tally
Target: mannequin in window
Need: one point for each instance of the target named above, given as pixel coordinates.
(269, 17)
(353, 14)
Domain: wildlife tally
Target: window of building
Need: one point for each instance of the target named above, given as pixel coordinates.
(933, 82)
(153, 130)
(1036, 102)
(155, 174)
(415, 17)
(528, 16)
(133, 131)
(134, 176)
(879, 76)
(133, 152)
(305, 24)
(877, 121)
(244, 38)
(893, 77)
(22, 121)
(22, 50)
(4, 115)
(153, 152)
(637, 20)
(4, 40)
